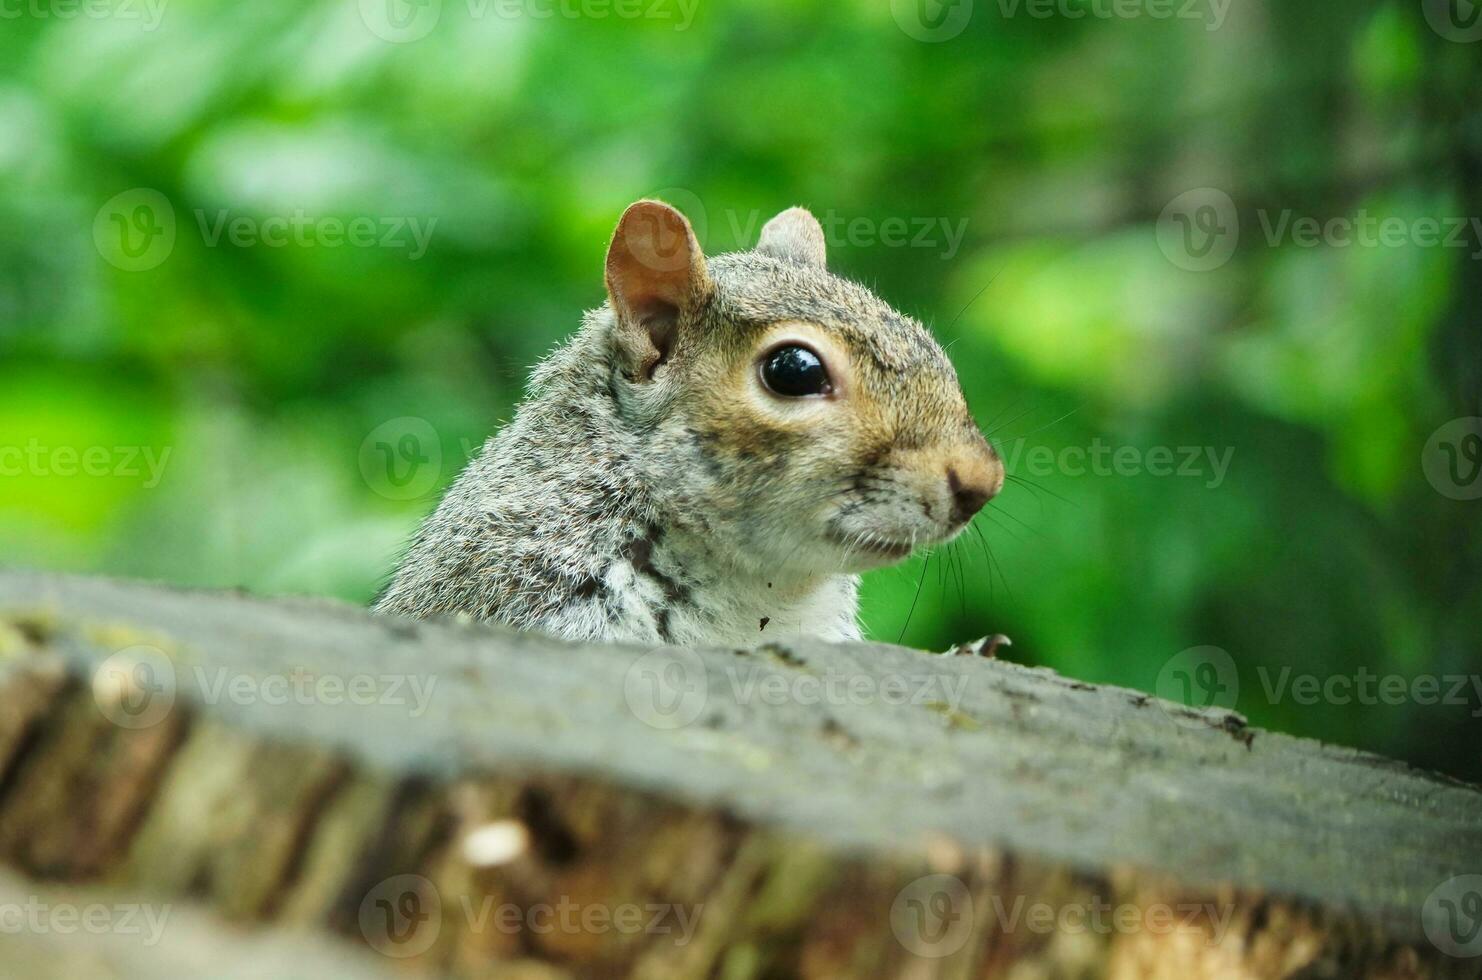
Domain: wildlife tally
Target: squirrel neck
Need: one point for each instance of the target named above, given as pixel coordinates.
(564, 523)
(667, 576)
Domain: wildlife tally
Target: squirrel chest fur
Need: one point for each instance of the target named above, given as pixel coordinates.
(713, 458)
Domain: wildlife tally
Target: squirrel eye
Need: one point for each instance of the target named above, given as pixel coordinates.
(795, 372)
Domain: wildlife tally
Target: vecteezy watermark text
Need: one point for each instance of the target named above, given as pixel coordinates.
(300, 229)
(938, 21)
(137, 687)
(682, 12)
(306, 687)
(759, 687)
(94, 918)
(568, 917)
(1103, 459)
(405, 21)
(1368, 688)
(401, 917)
(937, 234)
(669, 687)
(932, 233)
(35, 458)
(1209, 677)
(1365, 229)
(942, 235)
(1103, 918)
(137, 230)
(935, 916)
(148, 12)
(1211, 13)
(1200, 230)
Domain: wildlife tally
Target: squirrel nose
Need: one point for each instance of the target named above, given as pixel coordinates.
(973, 482)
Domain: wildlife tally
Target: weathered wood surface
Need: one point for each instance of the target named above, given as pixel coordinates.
(471, 801)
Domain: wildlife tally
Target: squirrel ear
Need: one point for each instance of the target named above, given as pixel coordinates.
(655, 275)
(795, 236)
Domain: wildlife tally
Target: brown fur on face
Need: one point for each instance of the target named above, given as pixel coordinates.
(847, 481)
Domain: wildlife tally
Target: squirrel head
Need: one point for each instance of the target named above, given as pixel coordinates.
(787, 414)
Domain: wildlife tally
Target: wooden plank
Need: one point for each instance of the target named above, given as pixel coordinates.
(461, 797)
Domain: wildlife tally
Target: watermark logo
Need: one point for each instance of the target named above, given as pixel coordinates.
(932, 21)
(666, 688)
(135, 230)
(690, 205)
(135, 688)
(657, 239)
(1452, 459)
(402, 459)
(401, 916)
(1455, 20)
(933, 916)
(1452, 916)
(400, 21)
(1200, 677)
(1199, 230)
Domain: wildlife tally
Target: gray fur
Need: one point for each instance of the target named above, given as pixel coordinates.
(795, 236)
(621, 509)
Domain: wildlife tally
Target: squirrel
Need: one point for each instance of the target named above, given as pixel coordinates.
(713, 458)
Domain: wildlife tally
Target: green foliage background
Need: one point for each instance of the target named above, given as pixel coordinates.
(1055, 141)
